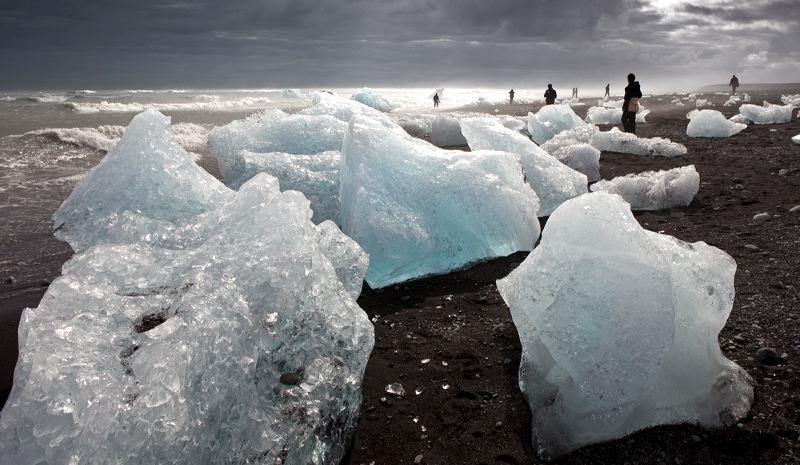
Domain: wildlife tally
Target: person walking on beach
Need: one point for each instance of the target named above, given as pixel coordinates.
(630, 105)
(511, 97)
(608, 91)
(574, 92)
(436, 100)
(734, 84)
(550, 95)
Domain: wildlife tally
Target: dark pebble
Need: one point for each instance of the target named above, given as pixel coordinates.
(768, 356)
(290, 379)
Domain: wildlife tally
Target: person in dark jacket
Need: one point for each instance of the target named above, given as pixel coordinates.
(511, 96)
(435, 100)
(550, 95)
(632, 91)
(734, 84)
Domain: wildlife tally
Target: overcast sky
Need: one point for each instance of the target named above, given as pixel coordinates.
(669, 44)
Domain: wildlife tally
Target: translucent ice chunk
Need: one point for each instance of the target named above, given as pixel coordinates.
(372, 99)
(796, 139)
(243, 348)
(768, 114)
(711, 123)
(790, 100)
(572, 147)
(619, 329)
(605, 115)
(418, 210)
(550, 120)
(655, 190)
(552, 181)
(446, 132)
(625, 142)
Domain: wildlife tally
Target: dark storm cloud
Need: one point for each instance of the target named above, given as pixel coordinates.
(237, 43)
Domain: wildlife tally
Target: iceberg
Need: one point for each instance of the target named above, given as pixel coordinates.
(550, 120)
(654, 190)
(552, 181)
(624, 142)
(419, 210)
(606, 115)
(245, 348)
(372, 99)
(767, 114)
(711, 123)
(113, 204)
(619, 329)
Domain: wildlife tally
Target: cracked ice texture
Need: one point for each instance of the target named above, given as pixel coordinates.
(372, 99)
(624, 142)
(550, 120)
(655, 190)
(768, 114)
(607, 115)
(419, 210)
(143, 355)
(139, 190)
(711, 123)
(553, 181)
(619, 329)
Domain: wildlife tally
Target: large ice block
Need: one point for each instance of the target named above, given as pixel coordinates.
(655, 190)
(606, 115)
(767, 114)
(572, 147)
(619, 329)
(344, 109)
(372, 99)
(625, 142)
(553, 181)
(446, 132)
(711, 123)
(143, 186)
(419, 210)
(244, 348)
(550, 120)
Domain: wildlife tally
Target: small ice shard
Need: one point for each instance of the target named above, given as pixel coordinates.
(701, 102)
(425, 360)
(445, 386)
(796, 139)
(372, 99)
(241, 348)
(143, 186)
(619, 329)
(446, 132)
(606, 115)
(767, 114)
(550, 120)
(711, 123)
(733, 100)
(625, 142)
(654, 190)
(396, 389)
(419, 210)
(761, 217)
(418, 391)
(552, 181)
(794, 209)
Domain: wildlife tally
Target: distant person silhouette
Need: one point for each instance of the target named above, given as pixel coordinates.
(631, 104)
(608, 91)
(511, 96)
(734, 84)
(574, 92)
(550, 95)
(435, 100)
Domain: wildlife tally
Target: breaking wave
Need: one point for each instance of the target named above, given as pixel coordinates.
(210, 104)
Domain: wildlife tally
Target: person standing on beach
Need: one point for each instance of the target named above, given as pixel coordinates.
(436, 100)
(734, 84)
(574, 92)
(608, 91)
(630, 105)
(511, 97)
(550, 95)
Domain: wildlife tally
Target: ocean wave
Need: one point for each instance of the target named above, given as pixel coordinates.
(8, 99)
(45, 98)
(192, 137)
(117, 107)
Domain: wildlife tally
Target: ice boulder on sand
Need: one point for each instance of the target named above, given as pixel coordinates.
(655, 190)
(572, 148)
(552, 181)
(711, 123)
(550, 120)
(767, 114)
(419, 210)
(372, 99)
(619, 329)
(796, 139)
(325, 104)
(625, 142)
(446, 132)
(245, 348)
(606, 115)
(139, 190)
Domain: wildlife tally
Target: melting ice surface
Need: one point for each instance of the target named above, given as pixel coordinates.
(613, 115)
(242, 345)
(655, 190)
(419, 210)
(553, 181)
(625, 142)
(573, 148)
(711, 123)
(619, 329)
(550, 120)
(372, 99)
(767, 114)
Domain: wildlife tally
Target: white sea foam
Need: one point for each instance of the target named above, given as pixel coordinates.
(211, 104)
